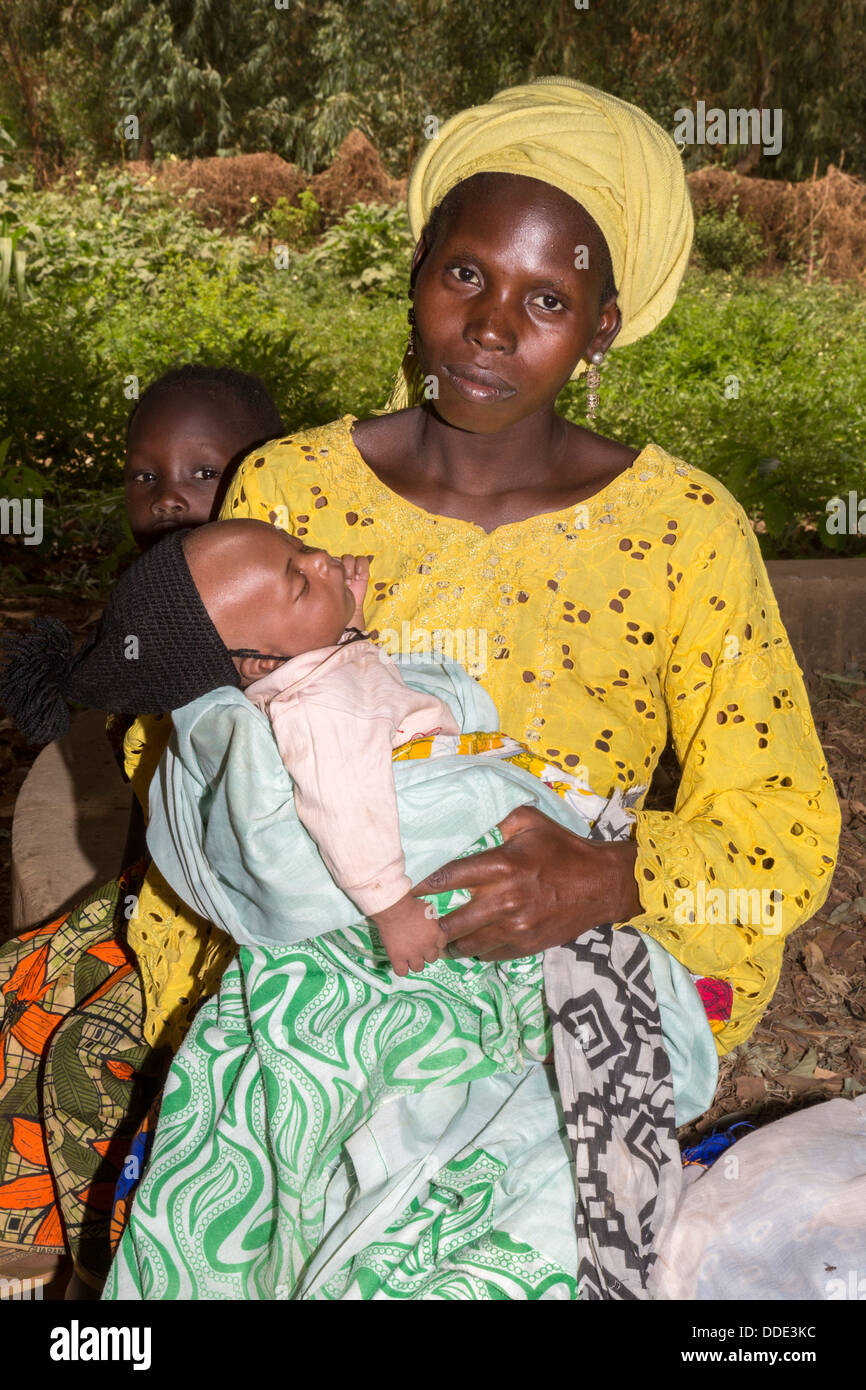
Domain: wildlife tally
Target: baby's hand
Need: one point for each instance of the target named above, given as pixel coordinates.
(411, 934)
(357, 569)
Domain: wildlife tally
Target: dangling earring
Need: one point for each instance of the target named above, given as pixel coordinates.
(410, 341)
(593, 381)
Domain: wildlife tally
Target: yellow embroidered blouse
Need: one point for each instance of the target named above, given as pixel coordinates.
(594, 629)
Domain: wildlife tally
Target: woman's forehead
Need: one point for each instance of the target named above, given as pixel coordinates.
(515, 209)
(513, 195)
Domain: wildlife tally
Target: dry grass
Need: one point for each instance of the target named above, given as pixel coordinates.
(222, 191)
(819, 223)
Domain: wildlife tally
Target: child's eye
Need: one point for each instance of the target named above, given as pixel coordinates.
(549, 306)
(207, 473)
(141, 477)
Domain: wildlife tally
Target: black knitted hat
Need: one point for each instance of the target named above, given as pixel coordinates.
(154, 650)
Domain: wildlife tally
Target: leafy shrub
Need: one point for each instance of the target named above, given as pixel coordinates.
(369, 249)
(109, 233)
(725, 382)
(294, 226)
(727, 242)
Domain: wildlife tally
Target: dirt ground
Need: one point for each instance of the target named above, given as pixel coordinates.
(811, 1044)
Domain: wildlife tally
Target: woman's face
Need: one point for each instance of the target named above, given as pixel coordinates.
(502, 312)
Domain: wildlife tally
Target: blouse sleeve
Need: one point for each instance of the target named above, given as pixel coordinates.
(748, 854)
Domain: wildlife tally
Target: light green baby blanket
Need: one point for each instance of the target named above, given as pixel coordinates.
(225, 834)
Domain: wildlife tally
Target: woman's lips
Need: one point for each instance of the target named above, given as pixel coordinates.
(475, 384)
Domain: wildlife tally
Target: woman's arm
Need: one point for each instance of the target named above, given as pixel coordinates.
(749, 851)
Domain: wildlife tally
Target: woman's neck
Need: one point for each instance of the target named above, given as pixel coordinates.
(527, 453)
(540, 464)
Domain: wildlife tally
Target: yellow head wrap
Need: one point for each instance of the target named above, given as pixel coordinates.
(606, 154)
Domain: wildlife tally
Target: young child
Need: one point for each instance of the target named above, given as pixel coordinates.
(184, 439)
(185, 435)
(242, 603)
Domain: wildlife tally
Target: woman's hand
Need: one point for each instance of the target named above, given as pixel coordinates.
(543, 887)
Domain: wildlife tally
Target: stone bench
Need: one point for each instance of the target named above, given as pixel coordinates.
(70, 824)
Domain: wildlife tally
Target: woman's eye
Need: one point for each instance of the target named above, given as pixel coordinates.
(551, 301)
(462, 273)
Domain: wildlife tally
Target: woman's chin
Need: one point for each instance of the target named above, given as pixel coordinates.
(475, 417)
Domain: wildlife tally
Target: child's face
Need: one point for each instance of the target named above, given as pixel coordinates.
(266, 591)
(177, 454)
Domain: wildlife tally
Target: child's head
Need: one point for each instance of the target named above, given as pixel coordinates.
(221, 605)
(266, 593)
(185, 436)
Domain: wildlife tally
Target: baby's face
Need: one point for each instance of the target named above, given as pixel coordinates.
(266, 591)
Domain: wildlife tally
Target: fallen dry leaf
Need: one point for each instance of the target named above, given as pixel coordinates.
(751, 1088)
(793, 1081)
(834, 985)
(843, 912)
(806, 1065)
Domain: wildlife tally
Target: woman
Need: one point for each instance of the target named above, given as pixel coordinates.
(619, 590)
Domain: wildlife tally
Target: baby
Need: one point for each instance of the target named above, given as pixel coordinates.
(242, 603)
(290, 618)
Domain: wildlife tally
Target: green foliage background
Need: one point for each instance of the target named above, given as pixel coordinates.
(209, 77)
(109, 281)
(123, 284)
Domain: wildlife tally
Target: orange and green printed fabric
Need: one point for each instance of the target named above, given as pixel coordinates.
(76, 1076)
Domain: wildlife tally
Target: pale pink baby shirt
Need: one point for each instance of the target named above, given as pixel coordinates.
(337, 713)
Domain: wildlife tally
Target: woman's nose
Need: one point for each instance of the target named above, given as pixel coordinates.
(491, 330)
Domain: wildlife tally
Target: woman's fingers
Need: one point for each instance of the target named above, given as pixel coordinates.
(485, 910)
(487, 867)
(486, 944)
(520, 819)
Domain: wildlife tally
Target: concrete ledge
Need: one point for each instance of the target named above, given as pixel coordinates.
(823, 606)
(70, 824)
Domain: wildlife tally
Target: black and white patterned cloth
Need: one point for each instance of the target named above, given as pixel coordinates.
(617, 1095)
